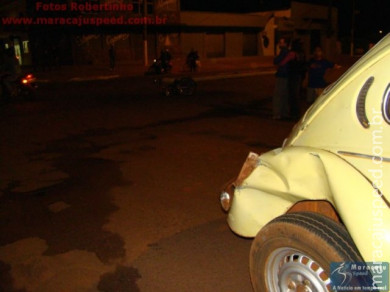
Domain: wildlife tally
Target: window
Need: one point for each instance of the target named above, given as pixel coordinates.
(250, 44)
(386, 105)
(25, 47)
(215, 45)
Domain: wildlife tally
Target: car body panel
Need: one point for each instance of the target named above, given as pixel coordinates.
(331, 155)
(300, 173)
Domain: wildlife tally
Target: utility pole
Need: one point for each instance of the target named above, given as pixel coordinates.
(353, 27)
(330, 24)
(145, 33)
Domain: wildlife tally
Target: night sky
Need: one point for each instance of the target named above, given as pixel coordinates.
(233, 5)
(371, 15)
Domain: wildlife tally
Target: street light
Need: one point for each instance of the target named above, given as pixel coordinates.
(145, 33)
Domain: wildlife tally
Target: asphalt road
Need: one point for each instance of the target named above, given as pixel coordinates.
(109, 186)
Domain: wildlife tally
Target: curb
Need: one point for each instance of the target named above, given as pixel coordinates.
(224, 76)
(207, 76)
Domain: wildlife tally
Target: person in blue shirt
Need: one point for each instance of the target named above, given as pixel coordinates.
(317, 68)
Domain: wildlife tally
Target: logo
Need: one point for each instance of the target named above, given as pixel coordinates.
(359, 276)
(341, 274)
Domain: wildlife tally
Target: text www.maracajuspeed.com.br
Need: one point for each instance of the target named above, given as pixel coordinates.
(80, 21)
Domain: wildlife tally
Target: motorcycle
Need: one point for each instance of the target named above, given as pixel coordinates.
(23, 86)
(158, 67)
(180, 86)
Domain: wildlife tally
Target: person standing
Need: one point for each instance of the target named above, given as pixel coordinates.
(317, 68)
(297, 72)
(111, 55)
(280, 98)
(192, 60)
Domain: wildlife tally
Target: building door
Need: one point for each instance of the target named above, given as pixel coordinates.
(215, 45)
(250, 44)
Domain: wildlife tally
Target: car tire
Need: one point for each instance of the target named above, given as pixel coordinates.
(190, 91)
(294, 252)
(188, 86)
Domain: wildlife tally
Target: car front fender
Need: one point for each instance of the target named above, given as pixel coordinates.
(283, 177)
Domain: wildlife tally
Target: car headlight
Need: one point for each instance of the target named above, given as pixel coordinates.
(225, 199)
(226, 196)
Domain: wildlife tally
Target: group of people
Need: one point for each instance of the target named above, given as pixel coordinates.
(165, 59)
(292, 68)
(192, 60)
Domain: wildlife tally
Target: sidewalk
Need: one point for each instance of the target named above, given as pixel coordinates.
(210, 69)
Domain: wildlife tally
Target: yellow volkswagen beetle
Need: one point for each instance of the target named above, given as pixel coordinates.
(323, 197)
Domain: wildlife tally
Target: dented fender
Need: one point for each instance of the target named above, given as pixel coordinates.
(283, 177)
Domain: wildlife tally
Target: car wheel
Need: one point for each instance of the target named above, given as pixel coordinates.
(189, 91)
(294, 251)
(188, 86)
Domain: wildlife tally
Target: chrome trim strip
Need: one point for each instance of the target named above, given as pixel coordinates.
(361, 103)
(366, 156)
(360, 155)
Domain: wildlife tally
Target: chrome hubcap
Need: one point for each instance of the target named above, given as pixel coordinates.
(289, 270)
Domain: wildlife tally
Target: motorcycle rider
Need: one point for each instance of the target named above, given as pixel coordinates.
(165, 58)
(192, 60)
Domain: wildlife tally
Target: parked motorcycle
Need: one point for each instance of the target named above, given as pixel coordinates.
(23, 86)
(159, 67)
(180, 86)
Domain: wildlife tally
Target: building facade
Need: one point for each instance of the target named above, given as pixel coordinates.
(213, 35)
(15, 36)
